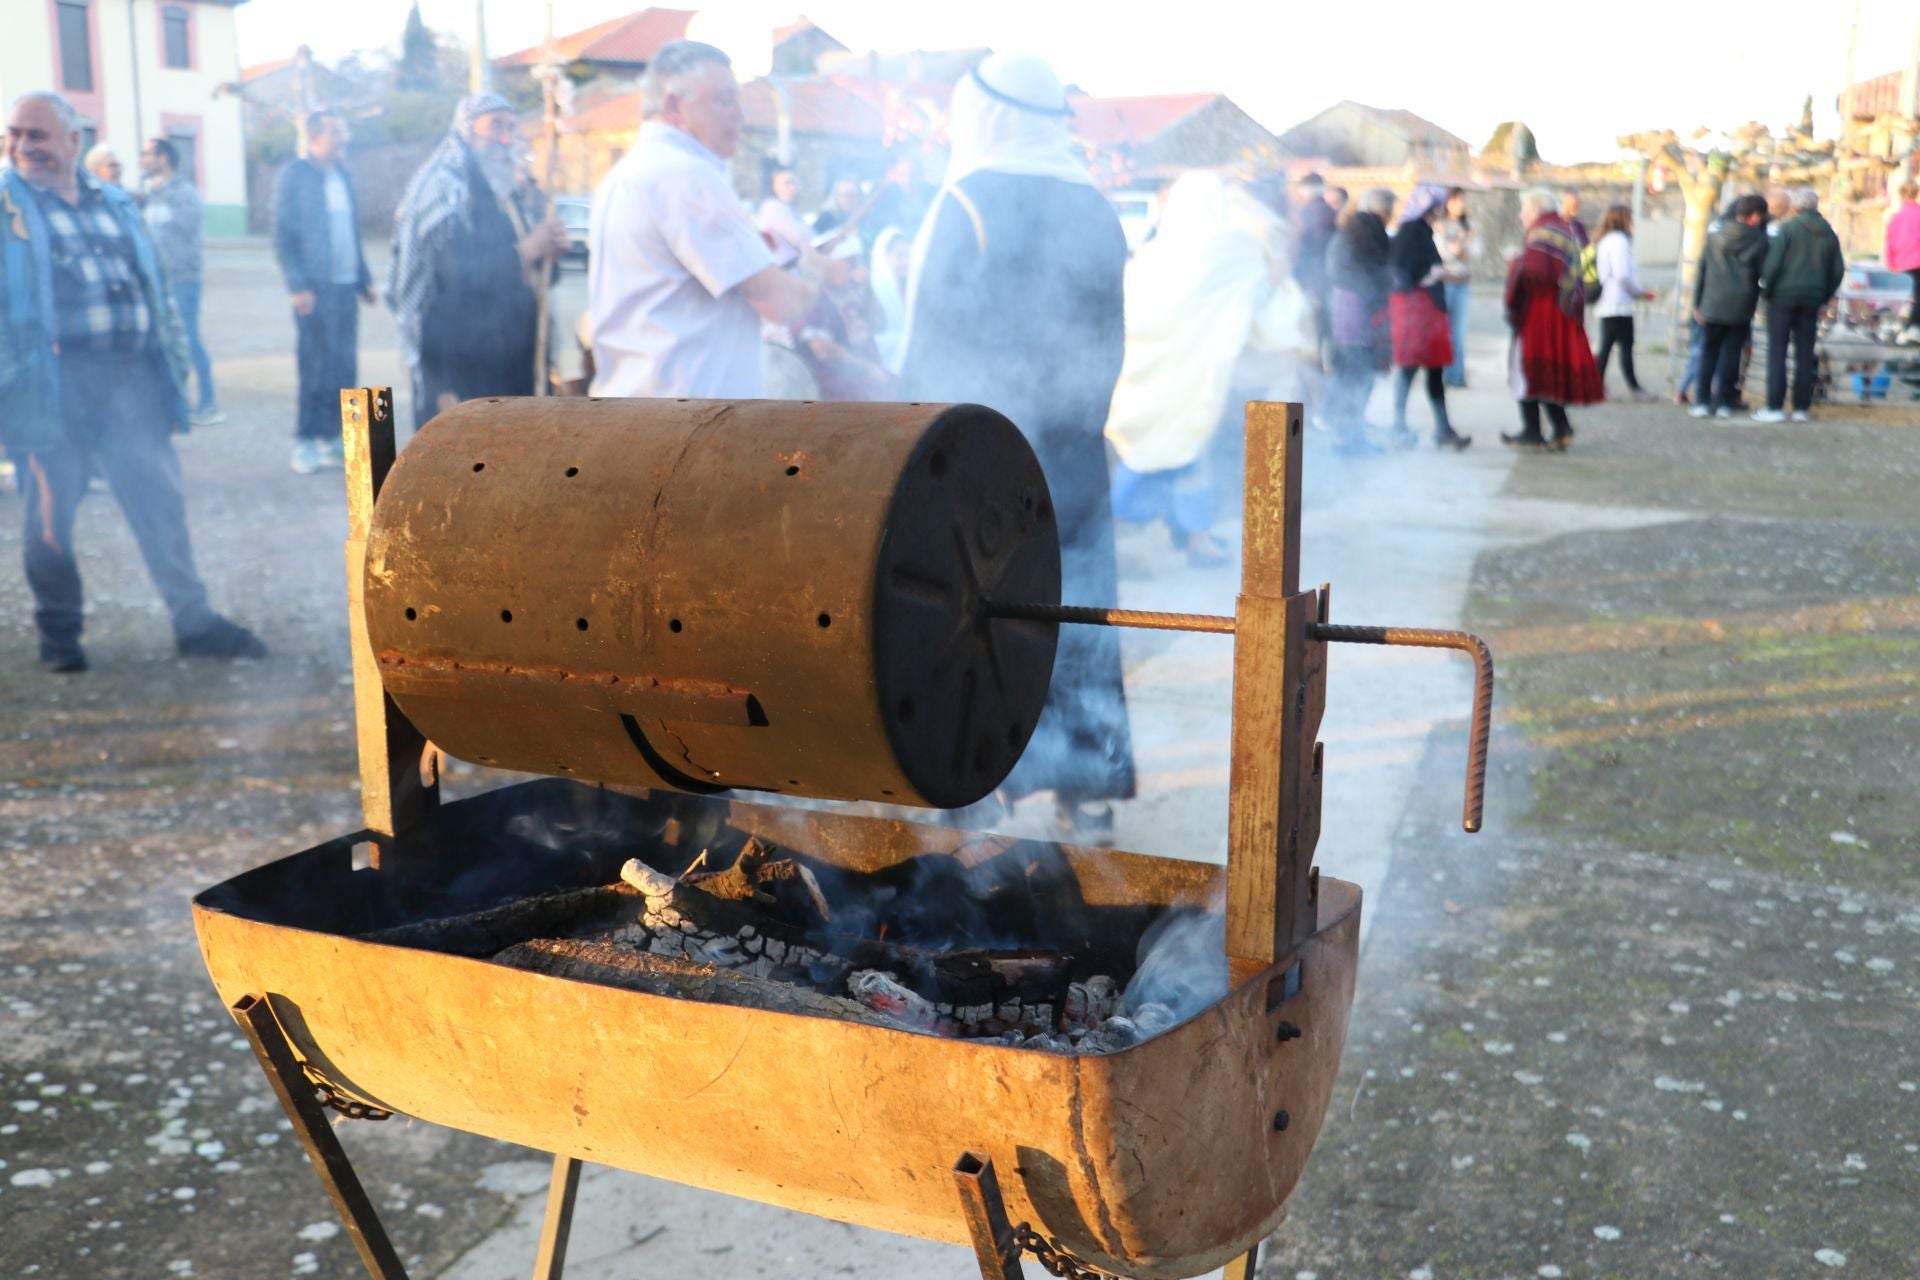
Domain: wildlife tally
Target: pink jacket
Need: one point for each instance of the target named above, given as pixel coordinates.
(1903, 239)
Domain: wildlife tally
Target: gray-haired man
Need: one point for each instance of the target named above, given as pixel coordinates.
(1803, 271)
(92, 371)
(680, 278)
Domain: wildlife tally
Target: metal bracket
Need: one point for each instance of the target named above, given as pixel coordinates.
(399, 768)
(998, 1243)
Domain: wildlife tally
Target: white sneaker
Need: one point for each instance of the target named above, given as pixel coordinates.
(306, 456)
(333, 454)
(1767, 415)
(1723, 412)
(1698, 411)
(1801, 415)
(1909, 336)
(210, 416)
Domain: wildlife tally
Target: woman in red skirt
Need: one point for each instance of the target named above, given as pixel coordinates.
(1550, 365)
(1417, 310)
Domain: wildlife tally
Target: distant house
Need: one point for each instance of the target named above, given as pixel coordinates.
(137, 69)
(1152, 140)
(618, 49)
(799, 46)
(1354, 135)
(288, 88)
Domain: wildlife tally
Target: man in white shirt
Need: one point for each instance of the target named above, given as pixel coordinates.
(680, 279)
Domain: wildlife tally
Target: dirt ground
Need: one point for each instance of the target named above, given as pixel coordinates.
(1656, 1020)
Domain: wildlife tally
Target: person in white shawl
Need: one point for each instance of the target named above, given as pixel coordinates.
(1212, 284)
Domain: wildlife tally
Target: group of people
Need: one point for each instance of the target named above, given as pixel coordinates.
(1400, 300)
(1384, 299)
(1794, 264)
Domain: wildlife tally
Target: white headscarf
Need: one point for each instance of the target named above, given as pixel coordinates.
(1009, 115)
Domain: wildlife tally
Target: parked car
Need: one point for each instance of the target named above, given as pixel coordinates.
(574, 211)
(1873, 297)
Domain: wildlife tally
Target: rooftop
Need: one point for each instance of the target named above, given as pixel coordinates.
(633, 39)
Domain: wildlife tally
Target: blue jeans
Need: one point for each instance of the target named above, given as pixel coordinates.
(1459, 295)
(326, 352)
(1696, 348)
(186, 297)
(114, 411)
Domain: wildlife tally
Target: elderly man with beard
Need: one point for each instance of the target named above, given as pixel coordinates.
(467, 251)
(93, 368)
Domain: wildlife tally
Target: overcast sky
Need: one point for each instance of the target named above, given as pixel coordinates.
(1579, 74)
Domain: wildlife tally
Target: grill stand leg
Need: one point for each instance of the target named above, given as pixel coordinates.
(993, 1240)
(559, 1220)
(335, 1169)
(1244, 1267)
(323, 1149)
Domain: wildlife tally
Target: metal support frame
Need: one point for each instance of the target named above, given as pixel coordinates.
(329, 1158)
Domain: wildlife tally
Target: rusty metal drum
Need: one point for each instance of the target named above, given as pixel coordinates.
(706, 594)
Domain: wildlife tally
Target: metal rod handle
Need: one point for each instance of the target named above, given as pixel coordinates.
(1136, 619)
(1479, 733)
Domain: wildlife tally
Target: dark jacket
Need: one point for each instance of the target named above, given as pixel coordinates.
(1727, 288)
(477, 336)
(1411, 256)
(1357, 259)
(1316, 223)
(1804, 266)
(30, 409)
(302, 240)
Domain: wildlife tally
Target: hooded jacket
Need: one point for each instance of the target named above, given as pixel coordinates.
(1804, 265)
(1727, 288)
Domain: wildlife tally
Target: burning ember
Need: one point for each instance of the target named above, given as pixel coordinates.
(764, 933)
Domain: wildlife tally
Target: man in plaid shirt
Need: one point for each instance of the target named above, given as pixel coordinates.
(92, 376)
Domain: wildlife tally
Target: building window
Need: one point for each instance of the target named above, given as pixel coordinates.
(186, 144)
(173, 25)
(76, 49)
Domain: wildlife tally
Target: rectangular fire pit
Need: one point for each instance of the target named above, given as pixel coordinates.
(1159, 1160)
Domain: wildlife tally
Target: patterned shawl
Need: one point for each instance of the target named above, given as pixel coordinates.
(433, 210)
(1552, 261)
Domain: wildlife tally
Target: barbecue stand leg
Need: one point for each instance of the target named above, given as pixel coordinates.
(329, 1159)
(1244, 1267)
(993, 1239)
(559, 1220)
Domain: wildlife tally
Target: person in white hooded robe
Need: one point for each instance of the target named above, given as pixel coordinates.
(1014, 300)
(1211, 286)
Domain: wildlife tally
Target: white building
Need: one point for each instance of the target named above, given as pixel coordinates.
(139, 69)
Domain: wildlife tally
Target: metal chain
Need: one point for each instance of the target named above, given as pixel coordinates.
(1055, 1260)
(334, 1096)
